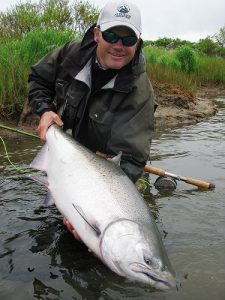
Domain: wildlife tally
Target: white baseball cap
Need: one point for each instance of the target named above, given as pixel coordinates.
(120, 13)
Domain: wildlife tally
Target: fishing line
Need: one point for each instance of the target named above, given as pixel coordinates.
(9, 160)
(6, 151)
(19, 131)
(20, 170)
(11, 163)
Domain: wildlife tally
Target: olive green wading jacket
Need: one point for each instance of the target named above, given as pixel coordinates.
(116, 117)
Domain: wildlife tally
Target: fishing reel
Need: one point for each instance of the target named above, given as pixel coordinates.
(165, 183)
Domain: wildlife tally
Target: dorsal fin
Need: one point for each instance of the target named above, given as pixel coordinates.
(116, 159)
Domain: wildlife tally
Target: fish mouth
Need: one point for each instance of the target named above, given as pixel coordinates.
(166, 280)
(156, 279)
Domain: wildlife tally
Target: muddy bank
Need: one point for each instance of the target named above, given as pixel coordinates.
(175, 108)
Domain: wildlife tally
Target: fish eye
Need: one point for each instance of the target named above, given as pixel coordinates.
(148, 261)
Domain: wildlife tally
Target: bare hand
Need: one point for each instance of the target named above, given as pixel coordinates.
(71, 229)
(47, 119)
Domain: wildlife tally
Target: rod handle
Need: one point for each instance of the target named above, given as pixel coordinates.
(101, 154)
(200, 183)
(153, 170)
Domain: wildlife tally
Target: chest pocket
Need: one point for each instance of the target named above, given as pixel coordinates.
(61, 87)
(99, 125)
(74, 105)
(101, 118)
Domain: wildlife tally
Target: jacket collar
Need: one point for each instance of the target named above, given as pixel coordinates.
(77, 57)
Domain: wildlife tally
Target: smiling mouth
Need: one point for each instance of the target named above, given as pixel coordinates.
(117, 55)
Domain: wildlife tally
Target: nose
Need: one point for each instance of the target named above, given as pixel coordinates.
(118, 43)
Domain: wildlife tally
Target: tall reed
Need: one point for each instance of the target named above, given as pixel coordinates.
(16, 57)
(173, 76)
(210, 69)
(164, 65)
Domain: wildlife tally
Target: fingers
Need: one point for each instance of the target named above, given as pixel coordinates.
(64, 221)
(47, 119)
(71, 229)
(68, 225)
(75, 234)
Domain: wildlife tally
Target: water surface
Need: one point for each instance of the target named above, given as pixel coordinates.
(39, 259)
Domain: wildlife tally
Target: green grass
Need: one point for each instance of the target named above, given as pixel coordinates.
(210, 70)
(163, 65)
(16, 57)
(173, 76)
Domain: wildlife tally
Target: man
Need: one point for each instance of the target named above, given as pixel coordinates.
(102, 92)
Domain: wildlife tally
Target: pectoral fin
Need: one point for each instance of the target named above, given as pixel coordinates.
(94, 227)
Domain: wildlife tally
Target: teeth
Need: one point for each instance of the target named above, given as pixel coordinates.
(117, 55)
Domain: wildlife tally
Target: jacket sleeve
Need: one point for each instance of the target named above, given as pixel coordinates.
(133, 135)
(41, 81)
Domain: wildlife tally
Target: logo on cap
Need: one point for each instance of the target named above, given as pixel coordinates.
(124, 9)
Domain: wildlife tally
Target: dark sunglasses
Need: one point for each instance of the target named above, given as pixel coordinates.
(112, 38)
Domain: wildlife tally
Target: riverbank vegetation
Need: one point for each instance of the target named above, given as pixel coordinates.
(184, 66)
(29, 31)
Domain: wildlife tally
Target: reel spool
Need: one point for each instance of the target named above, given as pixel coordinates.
(165, 183)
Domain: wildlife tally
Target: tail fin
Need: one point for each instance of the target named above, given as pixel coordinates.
(40, 161)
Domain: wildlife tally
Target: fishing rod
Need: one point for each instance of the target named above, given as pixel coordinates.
(148, 168)
(19, 131)
(197, 182)
(160, 172)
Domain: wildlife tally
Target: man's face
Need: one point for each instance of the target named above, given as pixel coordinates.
(114, 56)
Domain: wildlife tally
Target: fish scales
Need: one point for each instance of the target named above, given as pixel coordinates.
(106, 210)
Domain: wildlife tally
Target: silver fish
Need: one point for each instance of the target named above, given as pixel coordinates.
(106, 210)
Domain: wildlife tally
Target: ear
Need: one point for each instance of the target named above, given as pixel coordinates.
(96, 32)
(138, 42)
(137, 51)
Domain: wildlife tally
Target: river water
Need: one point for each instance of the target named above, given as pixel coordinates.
(39, 258)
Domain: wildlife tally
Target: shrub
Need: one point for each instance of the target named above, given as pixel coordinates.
(187, 58)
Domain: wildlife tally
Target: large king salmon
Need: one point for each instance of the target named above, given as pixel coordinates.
(105, 208)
